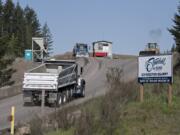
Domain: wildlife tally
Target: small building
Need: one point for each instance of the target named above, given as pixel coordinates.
(102, 49)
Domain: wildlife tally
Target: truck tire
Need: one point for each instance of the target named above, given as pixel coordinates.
(64, 99)
(60, 99)
(83, 83)
(83, 92)
(69, 95)
(28, 100)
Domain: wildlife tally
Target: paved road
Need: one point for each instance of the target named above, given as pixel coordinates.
(95, 76)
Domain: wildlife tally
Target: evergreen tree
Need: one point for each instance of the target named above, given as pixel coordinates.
(8, 14)
(48, 39)
(19, 25)
(175, 30)
(13, 47)
(173, 49)
(32, 25)
(1, 18)
(5, 61)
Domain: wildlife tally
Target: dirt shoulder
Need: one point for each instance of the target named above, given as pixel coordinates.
(20, 65)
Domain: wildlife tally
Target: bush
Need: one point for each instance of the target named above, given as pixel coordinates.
(107, 120)
(63, 119)
(36, 126)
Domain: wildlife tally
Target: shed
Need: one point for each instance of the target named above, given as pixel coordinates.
(102, 49)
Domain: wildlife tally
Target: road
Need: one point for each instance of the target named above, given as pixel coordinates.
(95, 75)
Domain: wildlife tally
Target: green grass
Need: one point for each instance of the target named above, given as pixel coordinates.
(152, 117)
(62, 132)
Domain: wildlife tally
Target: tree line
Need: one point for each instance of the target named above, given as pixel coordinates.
(175, 32)
(17, 27)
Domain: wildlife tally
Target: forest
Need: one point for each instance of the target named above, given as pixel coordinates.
(17, 27)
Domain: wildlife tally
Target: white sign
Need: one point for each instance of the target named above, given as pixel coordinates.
(155, 69)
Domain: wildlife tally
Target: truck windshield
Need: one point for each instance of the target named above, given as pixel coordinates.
(82, 48)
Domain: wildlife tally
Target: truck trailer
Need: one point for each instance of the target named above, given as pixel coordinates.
(58, 78)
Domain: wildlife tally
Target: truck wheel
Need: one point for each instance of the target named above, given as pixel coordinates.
(71, 93)
(83, 93)
(68, 95)
(60, 99)
(28, 99)
(64, 98)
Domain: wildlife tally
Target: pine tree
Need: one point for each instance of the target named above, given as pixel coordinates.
(1, 18)
(175, 30)
(5, 61)
(48, 39)
(13, 47)
(32, 25)
(173, 49)
(8, 14)
(19, 25)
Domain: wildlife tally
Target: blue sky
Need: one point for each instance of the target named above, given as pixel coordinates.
(129, 24)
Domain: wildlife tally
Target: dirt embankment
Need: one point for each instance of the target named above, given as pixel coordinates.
(65, 56)
(20, 65)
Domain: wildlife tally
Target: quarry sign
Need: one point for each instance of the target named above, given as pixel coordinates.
(155, 69)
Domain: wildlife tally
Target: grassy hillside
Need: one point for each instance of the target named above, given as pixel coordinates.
(62, 132)
(120, 112)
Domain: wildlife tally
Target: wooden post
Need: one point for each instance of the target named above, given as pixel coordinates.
(42, 102)
(141, 93)
(170, 94)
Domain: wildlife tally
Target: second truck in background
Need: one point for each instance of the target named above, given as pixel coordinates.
(81, 50)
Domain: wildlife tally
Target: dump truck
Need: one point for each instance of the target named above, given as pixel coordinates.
(81, 50)
(60, 79)
(151, 49)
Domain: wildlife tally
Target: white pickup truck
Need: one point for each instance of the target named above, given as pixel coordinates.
(59, 79)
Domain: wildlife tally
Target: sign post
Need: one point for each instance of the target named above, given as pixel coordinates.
(155, 69)
(170, 95)
(141, 93)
